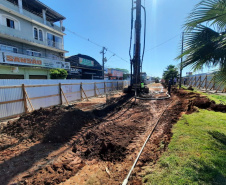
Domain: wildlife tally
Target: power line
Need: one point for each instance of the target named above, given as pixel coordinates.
(96, 44)
(162, 43)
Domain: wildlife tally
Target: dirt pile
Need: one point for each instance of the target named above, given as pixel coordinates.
(198, 100)
(55, 124)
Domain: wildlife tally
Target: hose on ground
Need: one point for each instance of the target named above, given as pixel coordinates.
(125, 182)
(151, 98)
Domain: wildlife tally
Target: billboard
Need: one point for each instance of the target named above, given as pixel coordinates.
(116, 73)
(86, 62)
(18, 59)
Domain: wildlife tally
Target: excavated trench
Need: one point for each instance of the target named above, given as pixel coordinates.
(66, 144)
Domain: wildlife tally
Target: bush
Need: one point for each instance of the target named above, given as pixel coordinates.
(58, 74)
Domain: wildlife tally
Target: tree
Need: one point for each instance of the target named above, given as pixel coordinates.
(125, 71)
(205, 40)
(58, 74)
(171, 72)
(156, 79)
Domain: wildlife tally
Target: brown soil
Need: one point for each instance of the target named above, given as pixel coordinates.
(70, 145)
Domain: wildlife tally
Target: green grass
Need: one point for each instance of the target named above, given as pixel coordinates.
(215, 97)
(196, 153)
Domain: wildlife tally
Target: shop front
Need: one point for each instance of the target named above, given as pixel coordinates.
(17, 66)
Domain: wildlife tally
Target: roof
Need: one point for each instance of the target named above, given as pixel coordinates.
(74, 60)
(36, 7)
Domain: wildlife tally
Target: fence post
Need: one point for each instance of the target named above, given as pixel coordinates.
(117, 85)
(25, 99)
(206, 82)
(104, 87)
(112, 86)
(61, 100)
(81, 91)
(95, 89)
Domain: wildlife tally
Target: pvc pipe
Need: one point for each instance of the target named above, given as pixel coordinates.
(125, 182)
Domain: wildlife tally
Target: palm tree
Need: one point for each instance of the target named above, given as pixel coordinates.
(170, 73)
(205, 40)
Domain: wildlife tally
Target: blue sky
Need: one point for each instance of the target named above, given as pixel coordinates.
(107, 22)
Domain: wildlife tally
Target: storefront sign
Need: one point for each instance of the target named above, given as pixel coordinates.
(13, 58)
(86, 62)
(116, 73)
(76, 71)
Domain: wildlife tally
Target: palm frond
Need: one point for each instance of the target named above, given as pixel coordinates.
(208, 11)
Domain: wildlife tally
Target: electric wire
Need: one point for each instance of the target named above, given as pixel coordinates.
(163, 43)
(96, 44)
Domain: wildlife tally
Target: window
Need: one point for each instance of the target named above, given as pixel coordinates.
(54, 41)
(54, 57)
(34, 53)
(8, 48)
(36, 33)
(40, 35)
(10, 23)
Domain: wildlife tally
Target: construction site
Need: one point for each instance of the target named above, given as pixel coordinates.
(121, 130)
(95, 141)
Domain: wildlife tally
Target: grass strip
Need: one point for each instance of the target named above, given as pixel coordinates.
(215, 97)
(196, 153)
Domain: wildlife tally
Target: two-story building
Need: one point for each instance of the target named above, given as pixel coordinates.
(30, 42)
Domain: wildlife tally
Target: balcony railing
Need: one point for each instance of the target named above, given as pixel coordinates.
(57, 45)
(20, 35)
(29, 14)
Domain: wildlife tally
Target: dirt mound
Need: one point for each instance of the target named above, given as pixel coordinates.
(198, 100)
(106, 145)
(55, 124)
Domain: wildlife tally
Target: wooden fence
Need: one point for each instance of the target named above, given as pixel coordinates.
(19, 99)
(205, 82)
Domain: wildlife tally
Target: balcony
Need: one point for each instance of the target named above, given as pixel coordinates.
(27, 38)
(29, 15)
(54, 44)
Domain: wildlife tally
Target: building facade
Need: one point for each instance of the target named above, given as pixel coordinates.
(84, 67)
(114, 74)
(30, 42)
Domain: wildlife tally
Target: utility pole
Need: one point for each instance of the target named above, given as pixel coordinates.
(182, 50)
(103, 60)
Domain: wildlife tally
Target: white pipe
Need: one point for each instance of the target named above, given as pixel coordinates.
(125, 182)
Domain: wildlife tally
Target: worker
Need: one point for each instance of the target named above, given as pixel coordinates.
(169, 86)
(142, 85)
